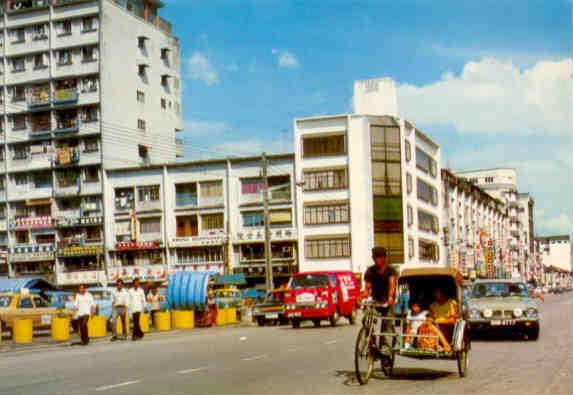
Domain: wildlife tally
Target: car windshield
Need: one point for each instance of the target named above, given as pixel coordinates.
(488, 290)
(5, 301)
(309, 281)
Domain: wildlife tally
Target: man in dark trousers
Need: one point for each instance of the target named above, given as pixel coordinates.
(137, 303)
(84, 305)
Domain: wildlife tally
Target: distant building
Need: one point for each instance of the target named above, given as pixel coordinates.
(555, 255)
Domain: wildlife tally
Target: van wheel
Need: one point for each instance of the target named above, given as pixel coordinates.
(334, 319)
(295, 324)
(352, 317)
(316, 323)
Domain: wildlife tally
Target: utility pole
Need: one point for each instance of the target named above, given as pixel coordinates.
(268, 252)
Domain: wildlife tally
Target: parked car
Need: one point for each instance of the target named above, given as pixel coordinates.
(25, 306)
(322, 295)
(271, 309)
(503, 305)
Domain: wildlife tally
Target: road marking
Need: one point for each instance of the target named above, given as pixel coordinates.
(108, 387)
(331, 342)
(254, 358)
(191, 370)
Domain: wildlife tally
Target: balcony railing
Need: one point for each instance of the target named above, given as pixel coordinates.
(149, 205)
(58, 3)
(185, 201)
(67, 95)
(27, 5)
(40, 129)
(32, 253)
(67, 126)
(39, 98)
(67, 156)
(32, 223)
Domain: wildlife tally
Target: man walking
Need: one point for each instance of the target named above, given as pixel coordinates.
(137, 305)
(84, 305)
(120, 302)
(154, 299)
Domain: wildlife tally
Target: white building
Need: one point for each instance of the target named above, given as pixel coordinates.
(85, 84)
(204, 215)
(476, 228)
(556, 258)
(366, 179)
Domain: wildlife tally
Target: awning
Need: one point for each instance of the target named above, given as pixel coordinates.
(38, 202)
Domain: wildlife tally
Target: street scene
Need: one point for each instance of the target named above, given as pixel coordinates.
(247, 197)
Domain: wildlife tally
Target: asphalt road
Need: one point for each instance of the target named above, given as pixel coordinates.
(251, 360)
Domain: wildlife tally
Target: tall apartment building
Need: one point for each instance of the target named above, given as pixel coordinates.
(366, 179)
(476, 229)
(86, 84)
(204, 215)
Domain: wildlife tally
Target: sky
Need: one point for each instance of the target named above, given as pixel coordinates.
(490, 81)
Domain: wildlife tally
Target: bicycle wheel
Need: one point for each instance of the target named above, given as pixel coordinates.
(363, 357)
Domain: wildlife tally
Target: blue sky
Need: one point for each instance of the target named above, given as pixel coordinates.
(491, 81)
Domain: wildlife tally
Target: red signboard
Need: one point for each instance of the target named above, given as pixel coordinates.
(137, 245)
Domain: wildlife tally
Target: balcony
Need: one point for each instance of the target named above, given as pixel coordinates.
(67, 156)
(206, 239)
(69, 219)
(39, 99)
(67, 188)
(65, 126)
(27, 5)
(26, 223)
(65, 96)
(82, 250)
(148, 205)
(40, 127)
(32, 253)
(214, 201)
(186, 201)
(59, 3)
(258, 235)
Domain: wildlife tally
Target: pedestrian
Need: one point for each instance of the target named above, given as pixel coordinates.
(84, 306)
(120, 303)
(155, 299)
(137, 305)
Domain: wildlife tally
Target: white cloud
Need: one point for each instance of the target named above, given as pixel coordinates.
(198, 127)
(491, 96)
(251, 147)
(557, 225)
(201, 69)
(286, 59)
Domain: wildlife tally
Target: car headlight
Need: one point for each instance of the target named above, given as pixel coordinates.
(475, 314)
(531, 312)
(517, 312)
(487, 313)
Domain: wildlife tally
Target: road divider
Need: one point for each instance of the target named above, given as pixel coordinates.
(61, 329)
(97, 326)
(162, 321)
(183, 319)
(23, 331)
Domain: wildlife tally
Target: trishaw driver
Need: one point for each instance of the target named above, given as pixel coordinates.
(380, 279)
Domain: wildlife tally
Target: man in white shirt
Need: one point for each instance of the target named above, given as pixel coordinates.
(120, 303)
(84, 306)
(137, 305)
(155, 299)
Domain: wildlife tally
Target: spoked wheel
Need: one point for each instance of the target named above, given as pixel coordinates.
(463, 359)
(387, 359)
(363, 357)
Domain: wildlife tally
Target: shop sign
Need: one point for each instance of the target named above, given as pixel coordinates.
(144, 273)
(32, 223)
(259, 235)
(137, 245)
(81, 250)
(37, 256)
(197, 241)
(74, 221)
(75, 278)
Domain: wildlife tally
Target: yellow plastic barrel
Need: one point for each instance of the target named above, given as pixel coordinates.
(60, 329)
(23, 331)
(231, 315)
(221, 317)
(119, 325)
(144, 322)
(183, 319)
(97, 326)
(162, 321)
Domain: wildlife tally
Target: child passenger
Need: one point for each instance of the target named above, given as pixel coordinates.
(432, 337)
(415, 318)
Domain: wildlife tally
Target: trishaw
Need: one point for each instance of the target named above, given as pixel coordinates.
(383, 333)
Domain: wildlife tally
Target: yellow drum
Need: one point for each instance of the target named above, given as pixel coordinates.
(162, 321)
(97, 326)
(221, 317)
(231, 315)
(183, 319)
(60, 329)
(144, 323)
(119, 325)
(23, 331)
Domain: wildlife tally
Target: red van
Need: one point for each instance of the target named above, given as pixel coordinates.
(324, 295)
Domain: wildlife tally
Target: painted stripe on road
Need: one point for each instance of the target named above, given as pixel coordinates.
(191, 370)
(331, 342)
(254, 358)
(109, 387)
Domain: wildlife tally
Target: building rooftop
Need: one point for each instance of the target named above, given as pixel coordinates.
(550, 238)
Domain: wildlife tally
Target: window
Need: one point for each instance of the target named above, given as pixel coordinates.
(91, 174)
(93, 234)
(211, 189)
(410, 215)
(408, 151)
(280, 218)
(410, 247)
(19, 122)
(18, 93)
(488, 180)
(21, 179)
(148, 193)
(386, 166)
(124, 198)
(427, 222)
(186, 195)
(338, 247)
(65, 57)
(165, 54)
(425, 163)
(141, 42)
(40, 61)
(42, 180)
(64, 28)
(426, 192)
(89, 54)
(25, 303)
(89, 24)
(89, 84)
(140, 97)
(143, 152)
(212, 221)
(141, 69)
(40, 302)
(90, 114)
(18, 64)
(325, 180)
(150, 225)
(18, 35)
(165, 81)
(39, 32)
(187, 226)
(141, 125)
(408, 183)
(91, 145)
(337, 213)
(323, 146)
(428, 251)
(163, 104)
(253, 219)
(251, 186)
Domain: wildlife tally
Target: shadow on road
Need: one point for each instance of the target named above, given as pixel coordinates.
(399, 374)
(498, 337)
